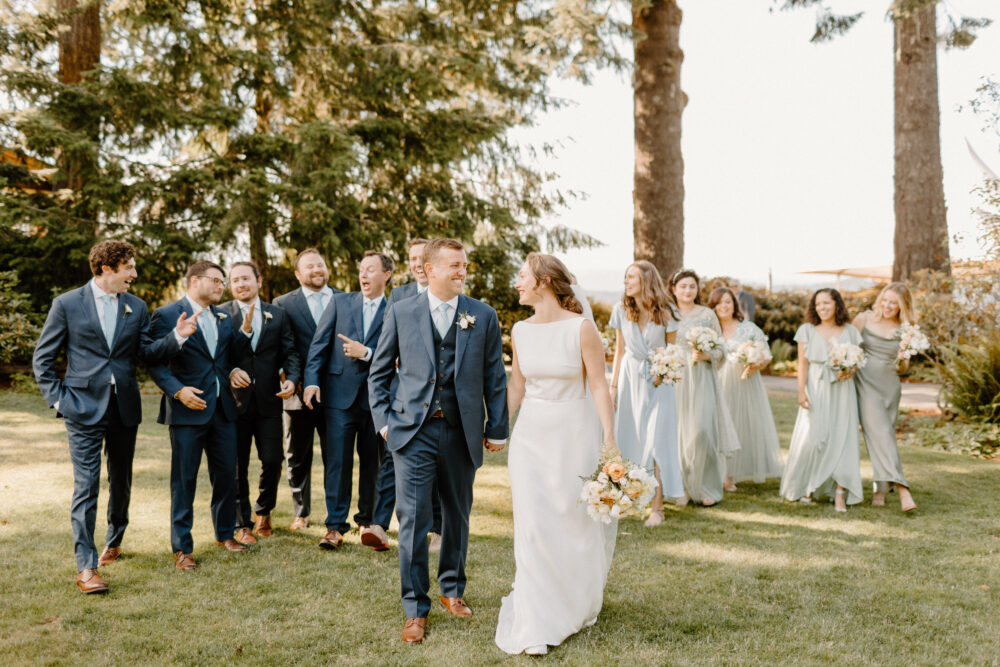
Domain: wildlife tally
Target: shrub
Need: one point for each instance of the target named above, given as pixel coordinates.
(977, 439)
(602, 313)
(957, 309)
(970, 378)
(19, 325)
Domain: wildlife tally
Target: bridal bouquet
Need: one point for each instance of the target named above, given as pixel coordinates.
(750, 354)
(703, 339)
(666, 364)
(618, 488)
(912, 341)
(845, 357)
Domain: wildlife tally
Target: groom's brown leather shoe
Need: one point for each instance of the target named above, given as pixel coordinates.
(331, 540)
(413, 631)
(109, 556)
(456, 607)
(90, 582)
(184, 561)
(245, 537)
(263, 527)
(231, 545)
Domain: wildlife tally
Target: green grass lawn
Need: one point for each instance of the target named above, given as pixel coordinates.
(754, 579)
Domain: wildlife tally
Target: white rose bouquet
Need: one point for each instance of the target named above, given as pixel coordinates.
(666, 365)
(618, 488)
(845, 357)
(912, 341)
(750, 354)
(703, 339)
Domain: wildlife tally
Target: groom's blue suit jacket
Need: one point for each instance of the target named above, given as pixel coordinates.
(480, 378)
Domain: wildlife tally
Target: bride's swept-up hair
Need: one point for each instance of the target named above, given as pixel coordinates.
(550, 272)
(652, 296)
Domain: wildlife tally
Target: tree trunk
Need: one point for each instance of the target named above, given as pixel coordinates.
(921, 240)
(658, 195)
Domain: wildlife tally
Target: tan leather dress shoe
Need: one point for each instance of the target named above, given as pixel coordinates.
(231, 545)
(263, 526)
(299, 523)
(184, 561)
(456, 607)
(109, 556)
(90, 582)
(413, 631)
(331, 540)
(245, 537)
(374, 536)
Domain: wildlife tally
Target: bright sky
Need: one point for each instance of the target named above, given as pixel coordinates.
(788, 145)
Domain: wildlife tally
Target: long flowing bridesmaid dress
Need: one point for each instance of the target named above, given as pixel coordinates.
(825, 446)
(705, 432)
(759, 456)
(646, 421)
(879, 391)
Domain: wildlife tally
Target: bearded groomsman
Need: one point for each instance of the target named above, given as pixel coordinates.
(377, 538)
(336, 375)
(103, 330)
(305, 307)
(199, 408)
(259, 388)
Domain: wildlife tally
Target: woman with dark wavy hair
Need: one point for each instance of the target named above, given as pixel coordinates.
(824, 458)
(646, 421)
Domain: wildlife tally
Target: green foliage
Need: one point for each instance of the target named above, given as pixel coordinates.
(970, 378)
(19, 322)
(957, 309)
(24, 383)
(602, 313)
(779, 314)
(978, 439)
(781, 351)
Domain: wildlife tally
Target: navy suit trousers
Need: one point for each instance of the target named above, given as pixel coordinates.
(439, 452)
(300, 427)
(385, 495)
(344, 429)
(265, 431)
(85, 444)
(217, 439)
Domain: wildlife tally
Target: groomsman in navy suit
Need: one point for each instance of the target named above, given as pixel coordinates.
(377, 538)
(305, 306)
(447, 402)
(103, 330)
(258, 387)
(199, 408)
(336, 376)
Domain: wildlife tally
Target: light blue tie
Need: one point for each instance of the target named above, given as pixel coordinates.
(208, 331)
(443, 321)
(367, 316)
(316, 306)
(110, 317)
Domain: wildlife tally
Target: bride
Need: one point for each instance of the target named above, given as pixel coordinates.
(561, 555)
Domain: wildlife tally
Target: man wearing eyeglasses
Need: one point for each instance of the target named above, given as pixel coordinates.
(198, 406)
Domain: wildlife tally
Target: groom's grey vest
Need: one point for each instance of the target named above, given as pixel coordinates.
(445, 398)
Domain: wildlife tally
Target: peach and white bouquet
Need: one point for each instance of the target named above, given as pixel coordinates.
(703, 339)
(845, 357)
(666, 365)
(750, 354)
(618, 488)
(912, 341)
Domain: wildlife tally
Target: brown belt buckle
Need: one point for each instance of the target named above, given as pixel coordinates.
(438, 414)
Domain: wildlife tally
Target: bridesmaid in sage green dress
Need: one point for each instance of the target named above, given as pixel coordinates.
(879, 389)
(759, 456)
(706, 435)
(824, 453)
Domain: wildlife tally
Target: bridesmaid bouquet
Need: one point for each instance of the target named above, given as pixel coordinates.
(912, 341)
(703, 339)
(618, 488)
(750, 354)
(845, 357)
(666, 364)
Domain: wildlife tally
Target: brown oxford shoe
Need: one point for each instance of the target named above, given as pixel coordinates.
(299, 523)
(231, 545)
(109, 556)
(413, 631)
(90, 582)
(263, 527)
(184, 561)
(456, 607)
(374, 536)
(245, 537)
(331, 540)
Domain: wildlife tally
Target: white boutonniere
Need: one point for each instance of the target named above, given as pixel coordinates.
(221, 316)
(465, 321)
(128, 309)
(267, 316)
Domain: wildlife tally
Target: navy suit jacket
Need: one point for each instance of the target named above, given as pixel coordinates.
(275, 351)
(193, 366)
(342, 378)
(73, 325)
(404, 291)
(480, 378)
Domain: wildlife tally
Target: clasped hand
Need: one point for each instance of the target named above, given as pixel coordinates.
(494, 448)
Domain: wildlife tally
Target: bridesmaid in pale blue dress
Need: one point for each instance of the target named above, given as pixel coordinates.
(759, 456)
(705, 433)
(646, 421)
(824, 457)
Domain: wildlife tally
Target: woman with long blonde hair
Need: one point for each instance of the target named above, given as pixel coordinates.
(879, 389)
(646, 421)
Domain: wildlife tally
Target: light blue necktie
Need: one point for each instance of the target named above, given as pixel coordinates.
(110, 315)
(443, 321)
(208, 331)
(367, 316)
(316, 306)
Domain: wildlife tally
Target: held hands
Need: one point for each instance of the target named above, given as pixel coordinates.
(239, 379)
(309, 394)
(353, 348)
(287, 389)
(188, 396)
(186, 326)
(698, 355)
(247, 326)
(491, 447)
(846, 374)
(803, 399)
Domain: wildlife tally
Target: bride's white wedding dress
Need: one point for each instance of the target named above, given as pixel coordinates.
(561, 555)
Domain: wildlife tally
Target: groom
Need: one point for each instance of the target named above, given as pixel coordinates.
(450, 402)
